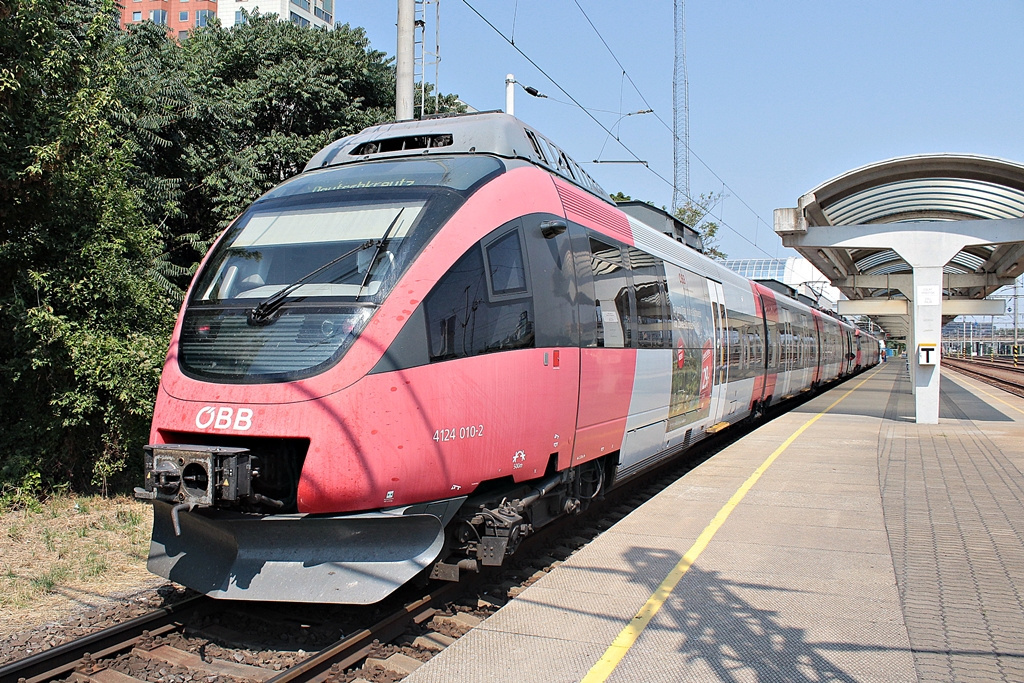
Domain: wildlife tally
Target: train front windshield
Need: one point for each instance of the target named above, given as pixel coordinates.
(314, 258)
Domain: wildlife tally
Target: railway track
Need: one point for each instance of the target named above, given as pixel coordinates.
(62, 660)
(175, 643)
(999, 373)
(206, 640)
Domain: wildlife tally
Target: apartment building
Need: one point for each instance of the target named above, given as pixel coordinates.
(301, 12)
(182, 16)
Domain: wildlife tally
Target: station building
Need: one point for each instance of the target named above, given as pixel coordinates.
(794, 272)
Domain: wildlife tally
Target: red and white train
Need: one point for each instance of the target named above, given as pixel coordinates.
(439, 337)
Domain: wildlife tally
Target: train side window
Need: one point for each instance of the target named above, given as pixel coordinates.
(506, 266)
(465, 317)
(746, 348)
(653, 313)
(611, 295)
(774, 345)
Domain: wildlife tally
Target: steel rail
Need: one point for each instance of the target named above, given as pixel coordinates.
(62, 659)
(352, 649)
(987, 373)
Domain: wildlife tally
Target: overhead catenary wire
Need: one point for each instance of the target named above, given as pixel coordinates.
(624, 146)
(547, 76)
(703, 163)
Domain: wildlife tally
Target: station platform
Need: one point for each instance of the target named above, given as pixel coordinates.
(839, 542)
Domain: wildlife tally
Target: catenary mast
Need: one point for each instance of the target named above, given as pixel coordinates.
(680, 111)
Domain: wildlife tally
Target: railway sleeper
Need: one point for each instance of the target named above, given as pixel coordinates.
(214, 667)
(102, 676)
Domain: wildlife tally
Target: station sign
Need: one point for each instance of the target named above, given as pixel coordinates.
(927, 354)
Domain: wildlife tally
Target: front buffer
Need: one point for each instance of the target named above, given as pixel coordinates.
(350, 559)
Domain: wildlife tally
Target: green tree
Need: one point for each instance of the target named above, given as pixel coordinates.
(695, 213)
(123, 154)
(81, 321)
(437, 105)
(225, 115)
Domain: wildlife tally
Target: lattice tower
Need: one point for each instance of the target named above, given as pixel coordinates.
(423, 57)
(680, 112)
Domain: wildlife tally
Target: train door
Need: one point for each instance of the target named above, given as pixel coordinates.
(557, 326)
(769, 313)
(806, 337)
(693, 344)
(607, 353)
(819, 346)
(848, 354)
(720, 373)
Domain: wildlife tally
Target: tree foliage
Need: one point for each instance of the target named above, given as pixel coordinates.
(229, 113)
(695, 213)
(80, 321)
(122, 155)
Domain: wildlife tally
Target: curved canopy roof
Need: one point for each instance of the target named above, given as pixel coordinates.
(925, 187)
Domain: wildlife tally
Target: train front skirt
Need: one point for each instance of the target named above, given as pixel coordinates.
(351, 559)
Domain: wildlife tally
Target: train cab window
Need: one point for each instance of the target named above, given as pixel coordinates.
(611, 295)
(482, 306)
(653, 313)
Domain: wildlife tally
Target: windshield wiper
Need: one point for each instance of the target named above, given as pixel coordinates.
(381, 243)
(262, 314)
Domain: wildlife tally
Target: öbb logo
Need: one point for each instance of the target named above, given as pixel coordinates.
(224, 418)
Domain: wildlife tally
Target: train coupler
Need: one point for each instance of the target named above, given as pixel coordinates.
(189, 476)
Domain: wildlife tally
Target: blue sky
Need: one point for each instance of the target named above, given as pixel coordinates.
(783, 95)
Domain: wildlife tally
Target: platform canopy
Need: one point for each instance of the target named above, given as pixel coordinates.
(924, 187)
(913, 242)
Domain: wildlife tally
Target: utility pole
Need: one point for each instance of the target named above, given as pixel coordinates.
(510, 95)
(1016, 281)
(405, 62)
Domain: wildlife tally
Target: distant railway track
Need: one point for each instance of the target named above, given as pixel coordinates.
(999, 373)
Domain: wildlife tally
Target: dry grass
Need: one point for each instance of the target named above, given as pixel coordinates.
(70, 553)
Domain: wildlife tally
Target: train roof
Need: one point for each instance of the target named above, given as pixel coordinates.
(663, 222)
(476, 133)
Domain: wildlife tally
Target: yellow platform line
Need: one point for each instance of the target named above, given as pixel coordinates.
(973, 383)
(628, 636)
